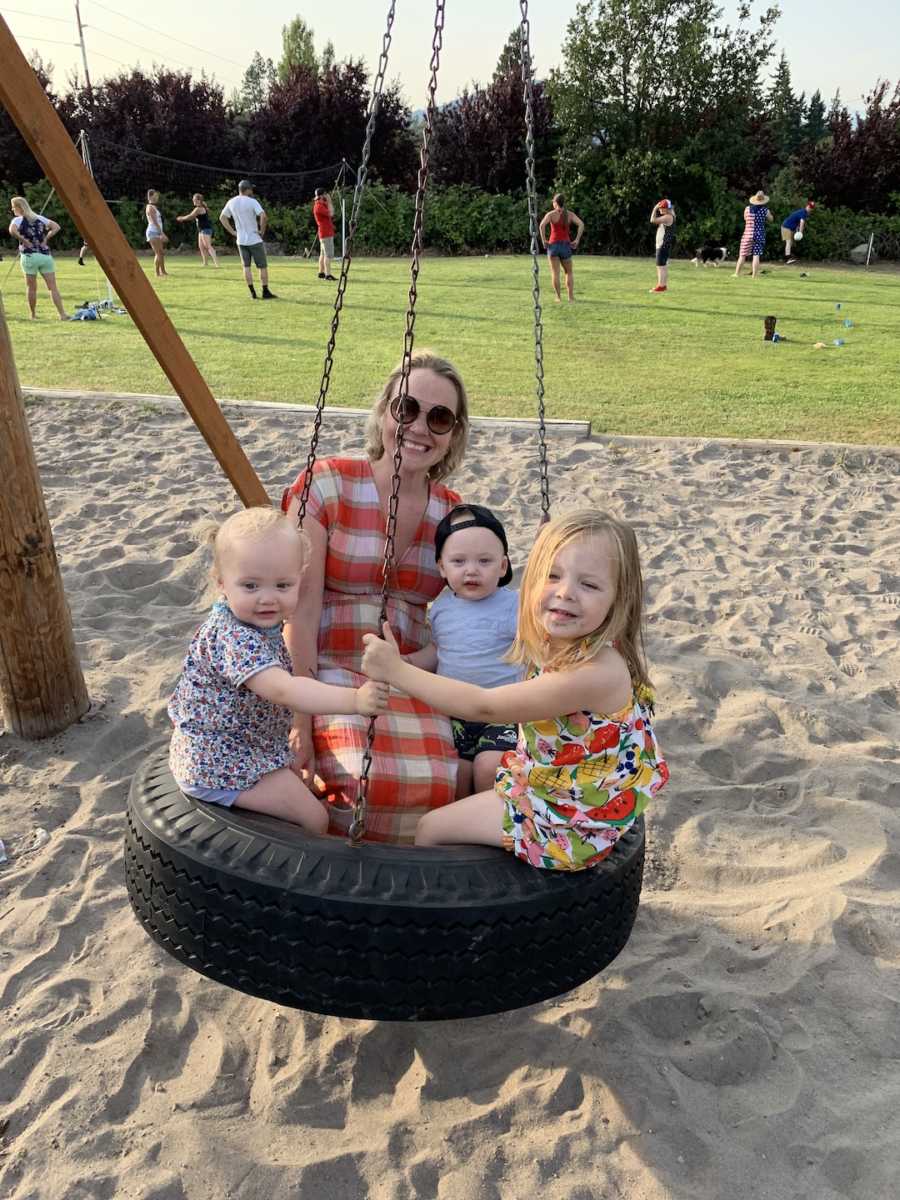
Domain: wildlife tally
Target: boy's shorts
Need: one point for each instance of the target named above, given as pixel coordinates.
(474, 737)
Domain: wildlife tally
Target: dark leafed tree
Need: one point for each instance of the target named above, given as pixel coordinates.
(314, 119)
(165, 113)
(479, 138)
(858, 163)
(17, 164)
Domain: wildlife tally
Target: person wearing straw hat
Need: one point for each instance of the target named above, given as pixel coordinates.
(756, 216)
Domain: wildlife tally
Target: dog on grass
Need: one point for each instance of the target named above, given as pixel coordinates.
(708, 253)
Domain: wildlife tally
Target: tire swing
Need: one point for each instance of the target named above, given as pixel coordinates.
(374, 931)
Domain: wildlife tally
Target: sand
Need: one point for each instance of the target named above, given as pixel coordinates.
(746, 1042)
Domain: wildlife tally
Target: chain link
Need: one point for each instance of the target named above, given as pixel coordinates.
(347, 257)
(358, 826)
(528, 88)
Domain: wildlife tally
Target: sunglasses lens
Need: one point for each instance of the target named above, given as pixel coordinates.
(404, 409)
(441, 419)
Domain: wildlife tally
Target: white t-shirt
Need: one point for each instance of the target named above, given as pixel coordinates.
(243, 211)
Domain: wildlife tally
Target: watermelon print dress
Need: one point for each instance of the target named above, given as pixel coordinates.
(575, 783)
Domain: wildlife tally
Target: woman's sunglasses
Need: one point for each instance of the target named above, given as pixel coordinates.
(439, 419)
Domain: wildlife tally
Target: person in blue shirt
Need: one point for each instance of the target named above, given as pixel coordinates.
(792, 229)
(473, 625)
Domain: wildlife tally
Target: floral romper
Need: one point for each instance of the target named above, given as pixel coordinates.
(575, 783)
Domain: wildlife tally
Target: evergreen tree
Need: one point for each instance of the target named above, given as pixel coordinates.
(510, 60)
(787, 112)
(816, 125)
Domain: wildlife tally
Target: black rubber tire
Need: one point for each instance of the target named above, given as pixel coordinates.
(387, 933)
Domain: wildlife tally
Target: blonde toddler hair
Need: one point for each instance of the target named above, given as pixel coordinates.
(623, 624)
(248, 525)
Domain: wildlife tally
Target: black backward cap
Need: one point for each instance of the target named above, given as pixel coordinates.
(477, 516)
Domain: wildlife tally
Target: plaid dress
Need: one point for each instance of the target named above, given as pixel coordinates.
(414, 762)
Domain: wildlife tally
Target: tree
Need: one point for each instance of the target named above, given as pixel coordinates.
(479, 138)
(648, 72)
(297, 49)
(787, 112)
(815, 126)
(510, 60)
(18, 165)
(257, 83)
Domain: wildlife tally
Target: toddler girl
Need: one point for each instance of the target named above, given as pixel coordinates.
(234, 702)
(587, 760)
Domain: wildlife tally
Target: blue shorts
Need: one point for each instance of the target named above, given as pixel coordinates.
(561, 250)
(224, 796)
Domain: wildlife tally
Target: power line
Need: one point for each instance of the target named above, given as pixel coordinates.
(181, 42)
(21, 13)
(51, 41)
(137, 45)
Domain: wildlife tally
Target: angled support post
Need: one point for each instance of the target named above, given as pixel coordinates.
(27, 104)
(41, 685)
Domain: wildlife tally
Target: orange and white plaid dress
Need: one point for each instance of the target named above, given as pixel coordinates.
(414, 761)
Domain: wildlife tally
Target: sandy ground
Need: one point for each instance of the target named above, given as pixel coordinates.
(745, 1044)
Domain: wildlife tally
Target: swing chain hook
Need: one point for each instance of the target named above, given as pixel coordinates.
(358, 826)
(531, 187)
(347, 257)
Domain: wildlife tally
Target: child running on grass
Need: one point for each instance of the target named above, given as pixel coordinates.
(587, 760)
(234, 703)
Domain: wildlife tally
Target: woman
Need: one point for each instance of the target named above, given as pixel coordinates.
(155, 235)
(559, 248)
(200, 214)
(756, 215)
(663, 217)
(414, 765)
(33, 234)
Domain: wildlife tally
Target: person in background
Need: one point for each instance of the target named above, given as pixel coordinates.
(200, 215)
(155, 235)
(793, 228)
(250, 223)
(323, 212)
(559, 248)
(33, 233)
(663, 217)
(753, 243)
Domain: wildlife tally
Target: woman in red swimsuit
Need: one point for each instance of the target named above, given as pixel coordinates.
(560, 245)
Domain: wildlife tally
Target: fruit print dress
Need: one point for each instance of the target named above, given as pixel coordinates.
(575, 783)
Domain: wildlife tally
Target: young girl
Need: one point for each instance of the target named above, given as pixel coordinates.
(233, 705)
(200, 215)
(155, 236)
(587, 761)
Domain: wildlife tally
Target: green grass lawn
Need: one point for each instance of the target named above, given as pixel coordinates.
(690, 362)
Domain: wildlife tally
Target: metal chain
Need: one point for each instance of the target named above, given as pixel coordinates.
(528, 86)
(358, 826)
(347, 256)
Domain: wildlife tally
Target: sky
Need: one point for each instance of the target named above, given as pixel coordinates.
(829, 44)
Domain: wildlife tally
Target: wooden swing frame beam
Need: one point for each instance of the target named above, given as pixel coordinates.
(27, 103)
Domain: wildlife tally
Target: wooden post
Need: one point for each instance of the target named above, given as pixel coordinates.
(27, 104)
(41, 686)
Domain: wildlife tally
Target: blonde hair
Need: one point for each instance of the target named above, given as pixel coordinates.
(248, 525)
(198, 196)
(26, 210)
(150, 193)
(622, 626)
(423, 360)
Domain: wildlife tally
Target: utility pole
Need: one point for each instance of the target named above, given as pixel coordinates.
(87, 74)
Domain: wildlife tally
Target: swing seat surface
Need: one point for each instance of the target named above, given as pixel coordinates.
(377, 932)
